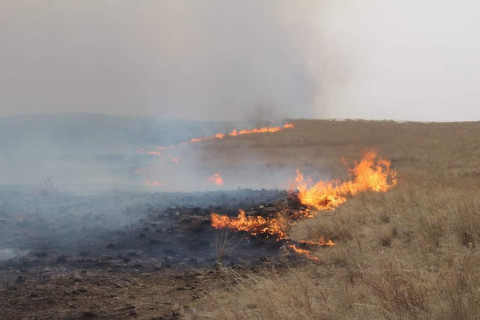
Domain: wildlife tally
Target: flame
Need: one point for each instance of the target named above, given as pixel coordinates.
(236, 132)
(157, 152)
(370, 174)
(320, 242)
(154, 153)
(305, 252)
(216, 178)
(154, 183)
(277, 227)
(253, 225)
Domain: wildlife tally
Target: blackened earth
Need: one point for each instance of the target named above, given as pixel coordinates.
(133, 230)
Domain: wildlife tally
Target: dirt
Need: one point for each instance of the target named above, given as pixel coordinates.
(101, 293)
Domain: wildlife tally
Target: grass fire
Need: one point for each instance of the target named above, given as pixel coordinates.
(369, 174)
(389, 226)
(236, 132)
(233, 160)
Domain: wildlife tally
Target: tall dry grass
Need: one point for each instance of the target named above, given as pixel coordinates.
(409, 253)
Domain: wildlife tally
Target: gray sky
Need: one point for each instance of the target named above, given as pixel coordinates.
(236, 60)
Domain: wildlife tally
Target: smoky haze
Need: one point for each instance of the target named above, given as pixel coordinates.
(202, 60)
(85, 84)
(242, 60)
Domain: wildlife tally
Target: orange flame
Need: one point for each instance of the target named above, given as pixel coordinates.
(216, 178)
(158, 151)
(253, 225)
(320, 242)
(370, 174)
(277, 227)
(154, 183)
(235, 132)
(305, 252)
(154, 153)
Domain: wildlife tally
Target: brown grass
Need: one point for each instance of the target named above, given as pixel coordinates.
(410, 253)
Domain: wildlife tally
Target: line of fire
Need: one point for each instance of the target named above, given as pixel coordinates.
(370, 173)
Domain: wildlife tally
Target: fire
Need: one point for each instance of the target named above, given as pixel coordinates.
(157, 152)
(216, 178)
(305, 252)
(253, 225)
(370, 174)
(154, 153)
(154, 183)
(236, 132)
(277, 227)
(321, 242)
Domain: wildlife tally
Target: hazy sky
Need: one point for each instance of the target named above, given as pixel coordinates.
(235, 60)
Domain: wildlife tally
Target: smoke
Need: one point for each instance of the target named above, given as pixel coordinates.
(246, 61)
(202, 60)
(409, 60)
(242, 60)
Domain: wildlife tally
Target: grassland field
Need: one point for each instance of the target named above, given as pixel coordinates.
(409, 253)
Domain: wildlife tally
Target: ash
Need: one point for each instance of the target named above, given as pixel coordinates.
(119, 229)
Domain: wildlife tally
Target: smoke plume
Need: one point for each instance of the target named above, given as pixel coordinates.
(201, 60)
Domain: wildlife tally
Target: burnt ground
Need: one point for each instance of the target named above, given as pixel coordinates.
(98, 256)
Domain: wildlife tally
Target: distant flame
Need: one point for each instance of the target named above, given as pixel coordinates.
(216, 178)
(157, 152)
(370, 174)
(154, 183)
(236, 132)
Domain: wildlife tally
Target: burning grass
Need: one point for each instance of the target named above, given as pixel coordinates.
(369, 174)
(403, 268)
(235, 132)
(409, 253)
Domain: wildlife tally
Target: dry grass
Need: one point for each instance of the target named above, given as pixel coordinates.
(410, 253)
